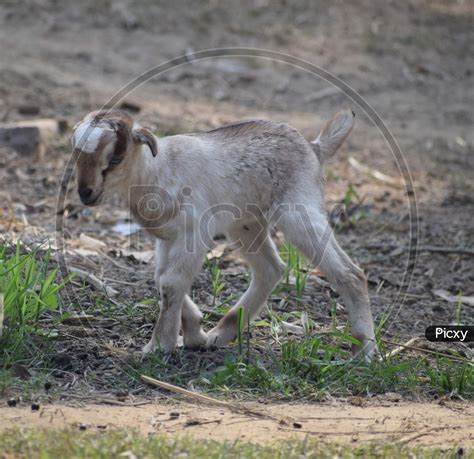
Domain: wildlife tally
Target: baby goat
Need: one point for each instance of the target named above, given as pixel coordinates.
(238, 180)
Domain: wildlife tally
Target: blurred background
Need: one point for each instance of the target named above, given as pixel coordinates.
(411, 60)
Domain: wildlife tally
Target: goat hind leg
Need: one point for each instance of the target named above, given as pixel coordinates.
(316, 241)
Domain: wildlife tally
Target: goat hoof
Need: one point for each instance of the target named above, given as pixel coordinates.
(150, 347)
(366, 351)
(197, 341)
(218, 337)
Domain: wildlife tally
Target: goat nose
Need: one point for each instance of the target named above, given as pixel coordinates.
(85, 193)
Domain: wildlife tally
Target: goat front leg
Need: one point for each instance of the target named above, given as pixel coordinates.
(194, 336)
(165, 333)
(174, 275)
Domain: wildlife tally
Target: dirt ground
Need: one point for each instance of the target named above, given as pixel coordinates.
(406, 423)
(412, 61)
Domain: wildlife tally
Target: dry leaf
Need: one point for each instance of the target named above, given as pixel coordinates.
(216, 252)
(125, 229)
(445, 295)
(143, 257)
(292, 328)
(84, 252)
(88, 242)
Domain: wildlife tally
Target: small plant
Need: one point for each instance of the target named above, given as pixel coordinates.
(240, 330)
(452, 378)
(295, 271)
(351, 196)
(28, 290)
(217, 284)
(351, 211)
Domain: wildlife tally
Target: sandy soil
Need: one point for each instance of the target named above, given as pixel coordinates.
(429, 424)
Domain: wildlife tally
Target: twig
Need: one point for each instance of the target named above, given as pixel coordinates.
(116, 281)
(410, 438)
(197, 422)
(104, 400)
(116, 263)
(337, 433)
(206, 398)
(423, 248)
(337, 418)
(374, 173)
(94, 281)
(429, 351)
(400, 348)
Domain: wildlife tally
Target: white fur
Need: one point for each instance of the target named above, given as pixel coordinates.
(87, 137)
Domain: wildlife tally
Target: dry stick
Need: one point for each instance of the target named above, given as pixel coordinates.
(416, 435)
(334, 432)
(424, 248)
(336, 418)
(429, 351)
(374, 173)
(93, 280)
(107, 401)
(399, 348)
(206, 398)
(409, 438)
(116, 263)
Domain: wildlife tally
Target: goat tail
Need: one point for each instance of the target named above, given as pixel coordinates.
(333, 134)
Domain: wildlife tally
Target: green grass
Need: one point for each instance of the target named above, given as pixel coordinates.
(352, 211)
(296, 272)
(74, 444)
(264, 362)
(216, 283)
(311, 368)
(28, 289)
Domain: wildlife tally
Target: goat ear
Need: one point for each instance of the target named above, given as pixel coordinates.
(145, 136)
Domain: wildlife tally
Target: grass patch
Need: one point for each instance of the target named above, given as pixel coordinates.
(310, 367)
(41, 444)
(268, 362)
(28, 290)
(265, 362)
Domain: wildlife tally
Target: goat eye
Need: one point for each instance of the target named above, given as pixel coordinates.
(115, 159)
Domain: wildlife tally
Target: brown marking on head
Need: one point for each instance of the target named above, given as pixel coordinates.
(105, 143)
